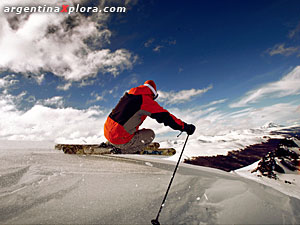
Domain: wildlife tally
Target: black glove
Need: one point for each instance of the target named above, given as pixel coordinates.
(189, 128)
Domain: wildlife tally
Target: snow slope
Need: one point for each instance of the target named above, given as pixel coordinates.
(221, 144)
(41, 186)
(287, 183)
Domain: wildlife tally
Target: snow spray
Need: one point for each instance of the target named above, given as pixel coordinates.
(155, 221)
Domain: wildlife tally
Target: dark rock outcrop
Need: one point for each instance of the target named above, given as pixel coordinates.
(286, 156)
(276, 156)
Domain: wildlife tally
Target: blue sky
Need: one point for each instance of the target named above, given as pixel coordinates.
(214, 60)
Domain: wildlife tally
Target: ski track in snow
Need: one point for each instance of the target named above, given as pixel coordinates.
(48, 187)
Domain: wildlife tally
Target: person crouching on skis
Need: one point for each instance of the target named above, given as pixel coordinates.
(121, 128)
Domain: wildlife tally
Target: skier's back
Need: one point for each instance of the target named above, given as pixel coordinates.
(121, 128)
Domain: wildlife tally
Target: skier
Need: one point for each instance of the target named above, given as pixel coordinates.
(121, 128)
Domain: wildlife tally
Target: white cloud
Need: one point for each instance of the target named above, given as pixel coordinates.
(39, 79)
(57, 43)
(64, 87)
(240, 112)
(9, 101)
(280, 49)
(281, 113)
(31, 99)
(172, 42)
(158, 45)
(87, 82)
(287, 85)
(61, 124)
(295, 31)
(8, 81)
(214, 103)
(173, 97)
(45, 123)
(96, 98)
(149, 42)
(56, 101)
(6, 104)
(48, 119)
(213, 121)
(158, 48)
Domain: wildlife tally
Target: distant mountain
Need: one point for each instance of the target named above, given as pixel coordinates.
(271, 125)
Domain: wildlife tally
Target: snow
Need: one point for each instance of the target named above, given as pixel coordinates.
(221, 144)
(40, 185)
(13, 145)
(287, 183)
(271, 125)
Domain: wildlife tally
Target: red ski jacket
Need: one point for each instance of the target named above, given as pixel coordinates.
(130, 113)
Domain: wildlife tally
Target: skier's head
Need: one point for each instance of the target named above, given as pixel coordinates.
(152, 86)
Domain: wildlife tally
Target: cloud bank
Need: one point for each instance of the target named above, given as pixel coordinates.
(56, 101)
(212, 121)
(49, 119)
(69, 46)
(43, 122)
(287, 85)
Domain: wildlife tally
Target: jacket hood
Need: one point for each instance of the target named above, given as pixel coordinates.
(140, 90)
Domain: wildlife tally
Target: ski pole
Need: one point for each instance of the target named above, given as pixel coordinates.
(155, 221)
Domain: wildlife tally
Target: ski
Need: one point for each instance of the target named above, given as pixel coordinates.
(104, 148)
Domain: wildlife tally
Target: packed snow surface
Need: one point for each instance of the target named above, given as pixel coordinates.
(44, 186)
(40, 185)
